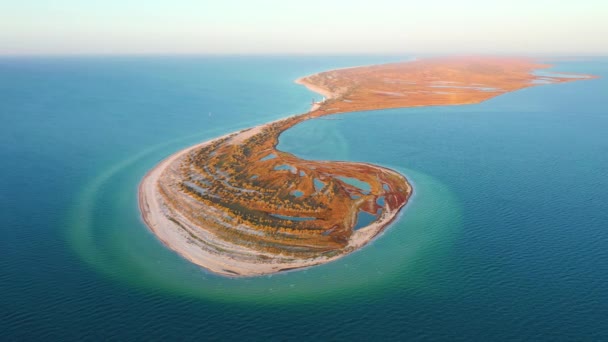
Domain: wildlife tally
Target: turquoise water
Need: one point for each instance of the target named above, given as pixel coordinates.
(364, 219)
(268, 157)
(364, 186)
(505, 237)
(284, 167)
(380, 201)
(319, 185)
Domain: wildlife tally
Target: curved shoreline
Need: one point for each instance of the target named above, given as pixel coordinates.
(175, 236)
(168, 206)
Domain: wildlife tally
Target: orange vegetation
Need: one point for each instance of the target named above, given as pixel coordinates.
(428, 82)
(242, 200)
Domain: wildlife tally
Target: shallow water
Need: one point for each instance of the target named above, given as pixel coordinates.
(364, 186)
(319, 185)
(504, 237)
(364, 219)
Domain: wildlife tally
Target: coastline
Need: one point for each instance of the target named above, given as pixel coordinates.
(310, 86)
(169, 210)
(176, 237)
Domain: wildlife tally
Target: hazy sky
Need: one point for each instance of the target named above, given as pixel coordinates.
(572, 27)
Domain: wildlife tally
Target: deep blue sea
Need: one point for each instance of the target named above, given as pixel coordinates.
(505, 238)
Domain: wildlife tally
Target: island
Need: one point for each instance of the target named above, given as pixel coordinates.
(239, 207)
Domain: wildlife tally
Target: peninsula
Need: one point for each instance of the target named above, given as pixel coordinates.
(239, 207)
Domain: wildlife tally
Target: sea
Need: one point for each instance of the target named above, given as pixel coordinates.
(505, 237)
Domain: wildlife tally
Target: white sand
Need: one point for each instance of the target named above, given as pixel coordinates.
(155, 213)
(193, 242)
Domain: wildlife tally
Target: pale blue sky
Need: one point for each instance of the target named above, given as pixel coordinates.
(570, 27)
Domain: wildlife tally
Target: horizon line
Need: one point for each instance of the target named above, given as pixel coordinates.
(288, 54)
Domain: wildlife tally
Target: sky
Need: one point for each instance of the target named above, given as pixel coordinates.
(550, 27)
